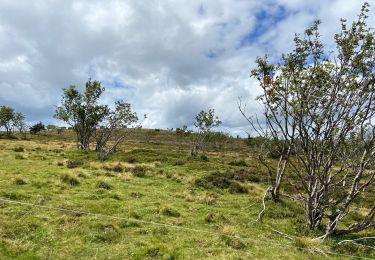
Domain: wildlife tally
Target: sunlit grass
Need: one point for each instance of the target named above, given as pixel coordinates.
(201, 222)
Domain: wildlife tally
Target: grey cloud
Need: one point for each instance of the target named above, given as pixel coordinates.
(173, 58)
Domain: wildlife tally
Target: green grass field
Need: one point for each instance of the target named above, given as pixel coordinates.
(148, 201)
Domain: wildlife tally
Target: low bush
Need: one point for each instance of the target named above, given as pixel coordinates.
(131, 160)
(233, 242)
(69, 179)
(227, 180)
(60, 163)
(136, 194)
(238, 163)
(103, 185)
(209, 218)
(19, 157)
(19, 181)
(19, 149)
(204, 158)
(74, 163)
(116, 168)
(179, 162)
(107, 233)
(139, 171)
(170, 212)
(235, 187)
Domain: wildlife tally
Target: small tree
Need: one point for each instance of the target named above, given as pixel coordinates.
(82, 112)
(38, 127)
(19, 123)
(112, 132)
(323, 110)
(6, 119)
(10, 120)
(204, 122)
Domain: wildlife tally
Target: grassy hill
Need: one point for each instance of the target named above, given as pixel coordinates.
(148, 201)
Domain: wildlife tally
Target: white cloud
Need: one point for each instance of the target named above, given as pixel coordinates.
(170, 59)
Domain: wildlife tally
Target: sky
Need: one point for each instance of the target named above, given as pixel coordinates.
(170, 59)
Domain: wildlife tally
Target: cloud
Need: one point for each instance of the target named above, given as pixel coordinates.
(169, 59)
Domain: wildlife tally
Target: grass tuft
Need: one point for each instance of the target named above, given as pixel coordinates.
(116, 168)
(19, 149)
(235, 187)
(170, 212)
(74, 163)
(179, 162)
(139, 171)
(233, 242)
(69, 179)
(103, 185)
(19, 157)
(20, 181)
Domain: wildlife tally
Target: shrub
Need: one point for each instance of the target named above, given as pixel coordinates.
(233, 242)
(228, 179)
(74, 163)
(131, 160)
(19, 181)
(19, 149)
(235, 187)
(274, 154)
(167, 211)
(69, 179)
(116, 168)
(238, 163)
(115, 196)
(154, 253)
(19, 157)
(60, 163)
(179, 162)
(103, 185)
(82, 175)
(106, 233)
(139, 171)
(209, 218)
(37, 128)
(204, 158)
(136, 194)
(254, 178)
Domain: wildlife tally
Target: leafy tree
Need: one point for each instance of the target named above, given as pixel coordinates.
(82, 112)
(19, 122)
(111, 132)
(6, 119)
(204, 122)
(322, 106)
(10, 120)
(38, 127)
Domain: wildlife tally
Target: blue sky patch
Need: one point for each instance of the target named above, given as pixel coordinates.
(264, 20)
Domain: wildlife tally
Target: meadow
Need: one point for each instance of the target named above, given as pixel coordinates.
(150, 200)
